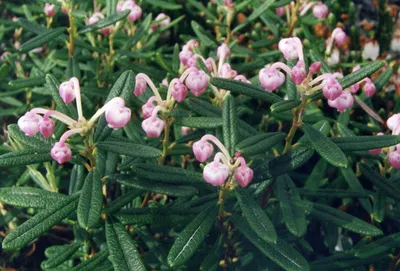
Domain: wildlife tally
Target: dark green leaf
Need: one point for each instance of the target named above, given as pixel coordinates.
(199, 122)
(256, 13)
(364, 143)
(355, 185)
(129, 149)
(29, 197)
(229, 124)
(27, 83)
(379, 246)
(105, 22)
(164, 4)
(379, 206)
(203, 36)
(383, 79)
(260, 143)
(63, 255)
(42, 39)
(93, 262)
(360, 74)
(285, 105)
(25, 157)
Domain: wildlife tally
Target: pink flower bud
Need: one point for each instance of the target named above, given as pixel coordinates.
(61, 152)
(315, 67)
(117, 114)
(288, 47)
(197, 82)
(223, 51)
(185, 55)
(29, 123)
(280, 11)
(299, 72)
(179, 91)
(163, 20)
(340, 36)
(140, 86)
(354, 88)
(185, 130)
(271, 78)
(243, 175)
(67, 91)
(227, 71)
(192, 44)
(331, 88)
(120, 6)
(136, 11)
(241, 78)
(202, 150)
(394, 159)
(393, 123)
(46, 127)
(153, 126)
(369, 88)
(216, 173)
(49, 10)
(320, 11)
(209, 64)
(376, 151)
(97, 16)
(343, 102)
(192, 62)
(106, 31)
(148, 107)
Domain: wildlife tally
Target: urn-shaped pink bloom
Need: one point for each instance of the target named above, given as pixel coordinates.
(197, 82)
(340, 36)
(216, 173)
(343, 102)
(192, 62)
(136, 11)
(46, 127)
(202, 150)
(29, 123)
(61, 152)
(140, 86)
(280, 11)
(223, 51)
(153, 126)
(241, 78)
(331, 88)
(394, 159)
(289, 48)
(209, 64)
(163, 20)
(117, 114)
(315, 67)
(67, 91)
(120, 6)
(320, 10)
(179, 91)
(227, 71)
(148, 107)
(185, 55)
(49, 9)
(243, 175)
(299, 73)
(192, 44)
(369, 87)
(393, 123)
(271, 78)
(376, 151)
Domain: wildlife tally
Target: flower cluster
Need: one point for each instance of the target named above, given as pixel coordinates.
(116, 113)
(135, 10)
(223, 165)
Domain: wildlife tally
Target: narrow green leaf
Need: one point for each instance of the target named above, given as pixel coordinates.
(285, 105)
(40, 223)
(325, 147)
(191, 237)
(360, 74)
(291, 206)
(256, 13)
(37, 141)
(77, 178)
(211, 262)
(122, 201)
(27, 83)
(129, 149)
(90, 201)
(383, 79)
(164, 4)
(257, 218)
(379, 209)
(250, 90)
(105, 22)
(93, 262)
(345, 261)
(29, 197)
(123, 253)
(379, 246)
(199, 122)
(280, 253)
(25, 157)
(356, 186)
(344, 220)
(365, 143)
(229, 124)
(73, 68)
(316, 178)
(329, 193)
(63, 255)
(203, 9)
(203, 36)
(42, 39)
(260, 143)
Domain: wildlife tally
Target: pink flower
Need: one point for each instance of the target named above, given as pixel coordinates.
(393, 123)
(136, 11)
(209, 64)
(179, 91)
(227, 71)
(97, 16)
(192, 44)
(271, 78)
(340, 36)
(243, 175)
(185, 55)
(280, 11)
(315, 67)
(117, 114)
(241, 78)
(49, 10)
(331, 88)
(161, 20)
(299, 72)
(185, 130)
(289, 48)
(120, 6)
(67, 91)
(197, 82)
(394, 159)
(202, 150)
(223, 51)
(369, 87)
(215, 173)
(376, 151)
(153, 126)
(343, 102)
(140, 86)
(29, 123)
(148, 107)
(320, 10)
(192, 62)
(46, 127)
(61, 152)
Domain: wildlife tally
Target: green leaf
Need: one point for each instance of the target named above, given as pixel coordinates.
(203, 36)
(93, 262)
(40, 223)
(42, 39)
(73, 68)
(255, 14)
(379, 209)
(325, 147)
(77, 178)
(364, 143)
(29, 197)
(259, 143)
(105, 22)
(211, 262)
(164, 4)
(27, 83)
(37, 141)
(344, 220)
(25, 157)
(383, 79)
(63, 255)
(360, 74)
(280, 253)
(379, 246)
(387, 186)
(123, 253)
(90, 201)
(291, 206)
(129, 149)
(199, 122)
(257, 218)
(157, 187)
(316, 177)
(192, 237)
(229, 124)
(122, 201)
(329, 193)
(356, 186)
(285, 105)
(250, 90)
(202, 9)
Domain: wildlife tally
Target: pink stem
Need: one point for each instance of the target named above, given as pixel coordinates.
(69, 133)
(77, 89)
(218, 143)
(55, 114)
(282, 66)
(151, 85)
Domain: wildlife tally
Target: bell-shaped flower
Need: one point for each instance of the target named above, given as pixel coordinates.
(46, 127)
(67, 91)
(153, 126)
(197, 82)
(331, 88)
(243, 175)
(61, 152)
(202, 150)
(271, 78)
(343, 102)
(299, 73)
(117, 114)
(179, 91)
(29, 123)
(320, 10)
(216, 173)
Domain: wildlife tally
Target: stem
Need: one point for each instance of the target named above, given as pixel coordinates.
(69, 133)
(151, 85)
(77, 89)
(297, 121)
(282, 66)
(218, 143)
(50, 177)
(55, 114)
(101, 111)
(71, 31)
(168, 123)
